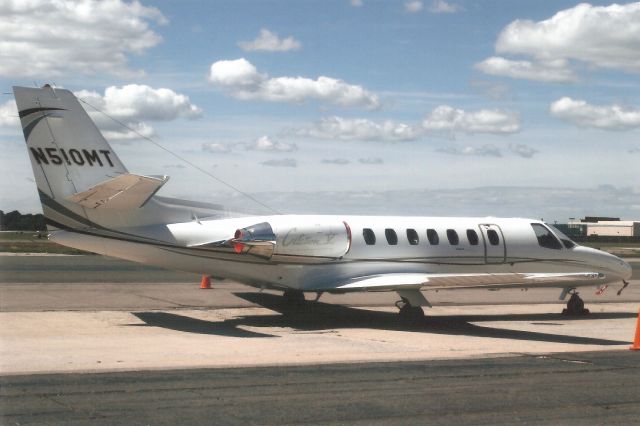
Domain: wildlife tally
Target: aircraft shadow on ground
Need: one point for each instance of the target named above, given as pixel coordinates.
(193, 325)
(317, 316)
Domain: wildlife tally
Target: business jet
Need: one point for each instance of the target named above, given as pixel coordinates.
(92, 202)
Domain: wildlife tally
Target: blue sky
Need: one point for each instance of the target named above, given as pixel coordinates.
(349, 105)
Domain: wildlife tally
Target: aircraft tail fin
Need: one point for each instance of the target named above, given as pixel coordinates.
(81, 181)
(67, 151)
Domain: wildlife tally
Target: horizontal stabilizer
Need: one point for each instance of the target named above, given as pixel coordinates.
(126, 191)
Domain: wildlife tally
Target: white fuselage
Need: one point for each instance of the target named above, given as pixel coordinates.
(313, 253)
(92, 202)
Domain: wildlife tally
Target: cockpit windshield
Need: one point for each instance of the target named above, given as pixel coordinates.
(545, 237)
(563, 237)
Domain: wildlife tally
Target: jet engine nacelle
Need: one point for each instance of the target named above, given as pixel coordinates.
(304, 242)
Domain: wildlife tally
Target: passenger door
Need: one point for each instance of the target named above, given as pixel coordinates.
(495, 249)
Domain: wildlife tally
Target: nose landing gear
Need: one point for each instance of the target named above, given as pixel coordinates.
(575, 305)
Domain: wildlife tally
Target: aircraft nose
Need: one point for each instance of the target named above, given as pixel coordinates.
(616, 266)
(625, 270)
(620, 267)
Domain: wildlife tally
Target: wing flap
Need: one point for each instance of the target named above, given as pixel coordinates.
(399, 281)
(122, 192)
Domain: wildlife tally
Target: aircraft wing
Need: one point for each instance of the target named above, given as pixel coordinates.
(122, 192)
(405, 281)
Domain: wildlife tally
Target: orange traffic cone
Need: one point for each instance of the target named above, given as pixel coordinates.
(636, 341)
(205, 283)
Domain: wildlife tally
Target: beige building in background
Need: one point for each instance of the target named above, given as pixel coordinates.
(609, 228)
(622, 228)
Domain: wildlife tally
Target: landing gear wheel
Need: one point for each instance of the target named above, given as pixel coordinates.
(575, 306)
(293, 303)
(410, 315)
(294, 297)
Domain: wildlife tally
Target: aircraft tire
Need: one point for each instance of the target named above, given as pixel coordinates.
(294, 297)
(411, 315)
(575, 306)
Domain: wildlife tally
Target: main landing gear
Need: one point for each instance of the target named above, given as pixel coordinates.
(294, 297)
(575, 305)
(410, 315)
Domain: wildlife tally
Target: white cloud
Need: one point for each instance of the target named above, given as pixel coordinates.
(487, 150)
(141, 102)
(9, 114)
(356, 3)
(216, 147)
(285, 162)
(492, 89)
(336, 161)
(413, 6)
(442, 121)
(239, 75)
(243, 81)
(361, 129)
(522, 150)
(602, 36)
(134, 104)
(270, 42)
(597, 36)
(114, 132)
(43, 38)
(608, 117)
(441, 6)
(557, 71)
(445, 119)
(371, 160)
(264, 143)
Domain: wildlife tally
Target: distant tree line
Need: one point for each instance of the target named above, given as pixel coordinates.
(14, 221)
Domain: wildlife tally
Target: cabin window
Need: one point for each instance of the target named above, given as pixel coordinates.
(412, 236)
(472, 236)
(494, 239)
(452, 236)
(433, 237)
(545, 237)
(369, 236)
(392, 237)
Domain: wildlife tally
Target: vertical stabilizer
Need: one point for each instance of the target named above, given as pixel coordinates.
(81, 181)
(67, 152)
